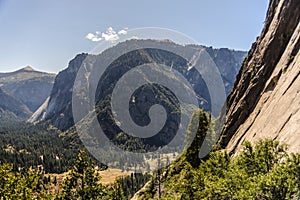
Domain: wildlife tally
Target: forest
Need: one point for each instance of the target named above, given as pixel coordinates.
(265, 170)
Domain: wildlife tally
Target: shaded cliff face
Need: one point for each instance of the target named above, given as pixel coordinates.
(265, 100)
(58, 108)
(10, 108)
(28, 86)
(229, 64)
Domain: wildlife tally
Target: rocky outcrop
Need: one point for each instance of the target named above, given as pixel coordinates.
(265, 100)
(28, 86)
(40, 112)
(59, 107)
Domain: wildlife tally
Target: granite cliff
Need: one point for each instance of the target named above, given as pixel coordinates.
(265, 100)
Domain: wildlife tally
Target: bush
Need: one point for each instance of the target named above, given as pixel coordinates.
(263, 171)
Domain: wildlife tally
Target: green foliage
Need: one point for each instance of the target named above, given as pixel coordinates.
(197, 130)
(131, 184)
(263, 171)
(15, 185)
(83, 181)
(25, 145)
(263, 158)
(116, 192)
(283, 182)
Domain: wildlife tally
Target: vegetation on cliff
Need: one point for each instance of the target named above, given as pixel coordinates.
(261, 171)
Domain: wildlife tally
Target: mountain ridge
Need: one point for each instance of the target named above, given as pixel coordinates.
(26, 69)
(59, 105)
(27, 86)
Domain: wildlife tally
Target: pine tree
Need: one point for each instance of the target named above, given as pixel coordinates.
(199, 124)
(17, 185)
(117, 192)
(83, 181)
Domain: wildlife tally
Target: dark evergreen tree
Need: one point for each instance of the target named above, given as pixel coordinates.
(83, 181)
(198, 128)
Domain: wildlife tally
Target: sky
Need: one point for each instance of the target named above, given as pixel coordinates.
(48, 34)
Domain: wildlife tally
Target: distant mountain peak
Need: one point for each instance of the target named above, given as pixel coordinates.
(27, 86)
(27, 69)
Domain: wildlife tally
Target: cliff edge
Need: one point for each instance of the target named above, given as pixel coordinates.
(265, 99)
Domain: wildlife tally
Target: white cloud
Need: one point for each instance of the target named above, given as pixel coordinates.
(92, 37)
(110, 35)
(111, 31)
(96, 39)
(122, 32)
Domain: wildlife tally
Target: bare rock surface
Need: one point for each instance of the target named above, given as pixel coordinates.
(265, 99)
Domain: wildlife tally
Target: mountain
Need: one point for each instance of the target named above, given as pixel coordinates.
(228, 63)
(28, 86)
(10, 108)
(58, 108)
(265, 100)
(264, 103)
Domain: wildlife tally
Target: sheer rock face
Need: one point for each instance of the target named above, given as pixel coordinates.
(265, 99)
(58, 106)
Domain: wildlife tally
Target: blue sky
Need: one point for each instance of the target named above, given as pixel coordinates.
(47, 34)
